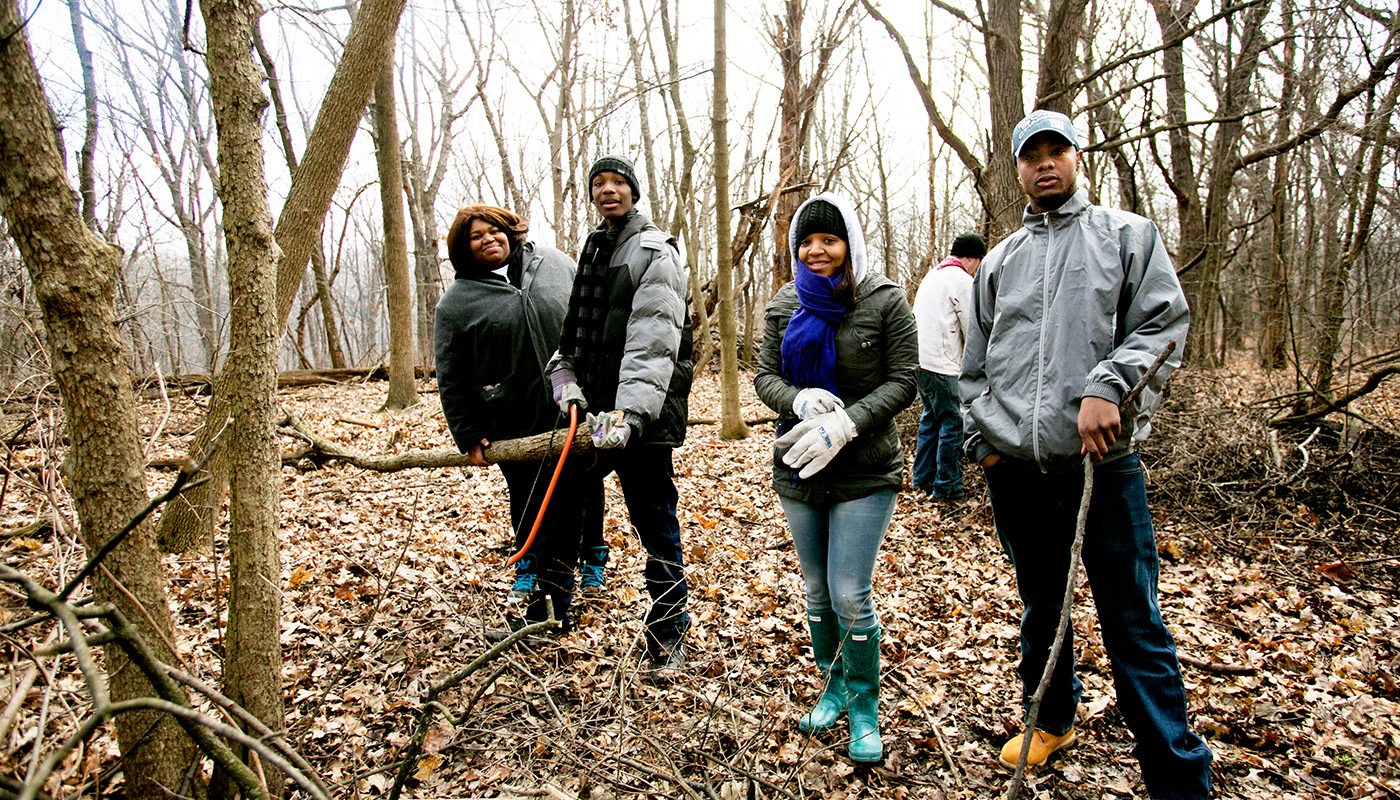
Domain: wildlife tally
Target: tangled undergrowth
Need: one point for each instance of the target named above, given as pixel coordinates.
(1278, 581)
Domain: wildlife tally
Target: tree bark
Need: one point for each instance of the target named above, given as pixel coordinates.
(73, 273)
(731, 417)
(403, 392)
(324, 298)
(87, 182)
(1172, 19)
(795, 109)
(186, 523)
(1273, 349)
(681, 225)
(1339, 276)
(253, 657)
(1056, 89)
(1203, 291)
(1002, 40)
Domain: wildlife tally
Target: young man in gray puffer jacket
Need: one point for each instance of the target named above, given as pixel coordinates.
(1068, 313)
(625, 357)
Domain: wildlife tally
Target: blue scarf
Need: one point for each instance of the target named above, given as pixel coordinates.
(809, 345)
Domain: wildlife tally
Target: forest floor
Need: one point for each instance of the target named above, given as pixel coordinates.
(1279, 580)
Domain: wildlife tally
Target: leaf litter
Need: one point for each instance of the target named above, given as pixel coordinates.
(390, 579)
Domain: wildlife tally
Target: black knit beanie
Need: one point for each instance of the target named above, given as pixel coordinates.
(819, 216)
(623, 166)
(969, 245)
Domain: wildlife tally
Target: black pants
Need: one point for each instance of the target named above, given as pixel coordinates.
(556, 544)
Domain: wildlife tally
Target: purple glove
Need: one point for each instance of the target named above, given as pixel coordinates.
(566, 389)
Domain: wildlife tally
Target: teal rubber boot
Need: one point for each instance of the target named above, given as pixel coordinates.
(861, 656)
(826, 646)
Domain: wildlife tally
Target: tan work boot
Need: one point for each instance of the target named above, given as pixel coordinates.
(1042, 745)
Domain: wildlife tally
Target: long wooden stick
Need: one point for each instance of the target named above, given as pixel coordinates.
(527, 448)
(1076, 550)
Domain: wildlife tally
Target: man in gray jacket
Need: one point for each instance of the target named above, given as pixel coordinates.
(1068, 313)
(625, 355)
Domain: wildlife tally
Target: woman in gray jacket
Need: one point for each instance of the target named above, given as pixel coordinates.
(839, 359)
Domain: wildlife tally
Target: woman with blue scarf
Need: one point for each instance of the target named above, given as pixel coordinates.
(839, 359)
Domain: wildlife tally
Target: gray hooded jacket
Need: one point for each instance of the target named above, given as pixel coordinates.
(1077, 303)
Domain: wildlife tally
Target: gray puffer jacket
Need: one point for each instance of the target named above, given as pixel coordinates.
(646, 352)
(1077, 303)
(492, 341)
(877, 358)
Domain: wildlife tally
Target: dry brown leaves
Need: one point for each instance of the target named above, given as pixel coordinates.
(389, 581)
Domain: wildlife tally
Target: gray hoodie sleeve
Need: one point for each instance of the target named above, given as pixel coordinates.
(1151, 313)
(653, 331)
(972, 383)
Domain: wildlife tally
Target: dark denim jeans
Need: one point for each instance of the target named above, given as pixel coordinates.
(645, 473)
(938, 454)
(1035, 519)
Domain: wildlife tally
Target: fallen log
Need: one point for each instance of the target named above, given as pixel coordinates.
(528, 448)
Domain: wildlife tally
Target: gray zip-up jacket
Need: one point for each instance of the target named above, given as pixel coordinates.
(1077, 303)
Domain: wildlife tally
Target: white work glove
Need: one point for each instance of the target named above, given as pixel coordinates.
(810, 403)
(814, 442)
(609, 431)
(566, 390)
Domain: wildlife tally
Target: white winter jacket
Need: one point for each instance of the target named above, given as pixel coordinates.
(942, 307)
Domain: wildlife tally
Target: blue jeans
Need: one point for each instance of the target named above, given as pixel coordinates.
(1035, 519)
(938, 455)
(837, 544)
(645, 472)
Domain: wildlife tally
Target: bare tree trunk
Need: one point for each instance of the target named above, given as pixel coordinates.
(1207, 326)
(731, 416)
(681, 224)
(1003, 43)
(253, 657)
(795, 109)
(298, 231)
(318, 253)
(1273, 349)
(1172, 19)
(1058, 83)
(996, 183)
(87, 182)
(648, 159)
(1358, 234)
(73, 274)
(403, 392)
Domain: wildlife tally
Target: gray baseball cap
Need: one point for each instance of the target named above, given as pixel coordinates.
(1042, 120)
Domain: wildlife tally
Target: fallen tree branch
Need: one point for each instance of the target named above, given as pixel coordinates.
(528, 448)
(1215, 666)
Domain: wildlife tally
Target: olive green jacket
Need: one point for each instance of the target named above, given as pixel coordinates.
(877, 357)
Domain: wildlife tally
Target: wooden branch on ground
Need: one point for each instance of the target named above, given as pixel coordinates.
(528, 448)
(1328, 405)
(1215, 666)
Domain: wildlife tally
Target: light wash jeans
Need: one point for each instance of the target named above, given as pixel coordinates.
(837, 544)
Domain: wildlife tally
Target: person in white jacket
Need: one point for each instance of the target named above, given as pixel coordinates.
(941, 309)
